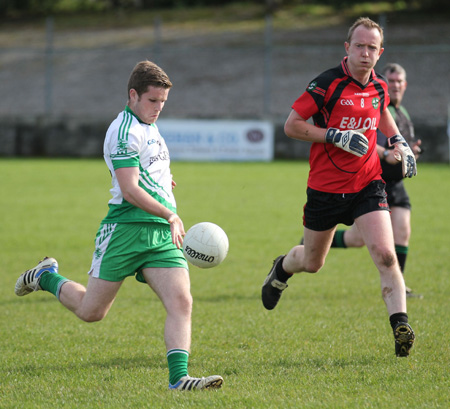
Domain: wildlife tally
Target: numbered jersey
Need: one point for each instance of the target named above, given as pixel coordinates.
(131, 143)
(336, 100)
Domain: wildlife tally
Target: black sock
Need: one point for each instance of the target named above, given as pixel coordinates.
(281, 274)
(402, 252)
(398, 317)
(338, 239)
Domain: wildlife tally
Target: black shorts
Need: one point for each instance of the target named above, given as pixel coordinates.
(397, 196)
(324, 210)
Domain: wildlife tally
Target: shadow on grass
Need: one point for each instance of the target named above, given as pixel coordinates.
(156, 361)
(31, 300)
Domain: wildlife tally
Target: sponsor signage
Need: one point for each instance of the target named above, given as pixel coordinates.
(218, 140)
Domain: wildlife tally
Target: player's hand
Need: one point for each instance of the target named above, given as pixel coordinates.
(351, 141)
(416, 148)
(173, 182)
(403, 153)
(176, 229)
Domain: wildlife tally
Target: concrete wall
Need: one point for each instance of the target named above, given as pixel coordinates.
(61, 137)
(51, 138)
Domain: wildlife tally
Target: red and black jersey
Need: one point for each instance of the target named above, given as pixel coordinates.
(336, 100)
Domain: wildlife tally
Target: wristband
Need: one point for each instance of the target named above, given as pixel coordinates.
(396, 139)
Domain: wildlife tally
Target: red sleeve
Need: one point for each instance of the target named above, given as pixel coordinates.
(387, 99)
(305, 106)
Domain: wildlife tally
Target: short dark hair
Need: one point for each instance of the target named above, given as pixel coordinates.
(393, 67)
(145, 74)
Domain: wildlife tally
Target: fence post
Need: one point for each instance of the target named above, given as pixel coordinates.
(49, 66)
(448, 130)
(157, 43)
(382, 21)
(268, 44)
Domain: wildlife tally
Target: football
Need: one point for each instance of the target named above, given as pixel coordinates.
(205, 245)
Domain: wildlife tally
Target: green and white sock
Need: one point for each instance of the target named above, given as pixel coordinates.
(52, 282)
(178, 364)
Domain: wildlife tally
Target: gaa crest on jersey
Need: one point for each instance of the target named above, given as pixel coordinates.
(122, 146)
(312, 85)
(375, 103)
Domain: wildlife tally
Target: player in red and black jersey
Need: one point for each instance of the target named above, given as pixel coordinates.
(397, 196)
(348, 104)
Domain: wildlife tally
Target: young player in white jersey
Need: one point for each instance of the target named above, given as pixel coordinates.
(141, 235)
(130, 143)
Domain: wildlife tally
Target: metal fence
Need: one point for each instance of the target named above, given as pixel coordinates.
(241, 74)
(219, 74)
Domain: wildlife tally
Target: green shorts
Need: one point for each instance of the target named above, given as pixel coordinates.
(123, 250)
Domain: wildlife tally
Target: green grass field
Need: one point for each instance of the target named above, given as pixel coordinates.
(328, 344)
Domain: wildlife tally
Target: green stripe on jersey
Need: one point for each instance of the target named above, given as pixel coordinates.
(126, 162)
(123, 130)
(122, 144)
(150, 181)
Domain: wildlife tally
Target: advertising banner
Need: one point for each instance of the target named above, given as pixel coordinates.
(218, 140)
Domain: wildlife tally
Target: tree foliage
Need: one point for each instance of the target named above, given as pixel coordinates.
(44, 7)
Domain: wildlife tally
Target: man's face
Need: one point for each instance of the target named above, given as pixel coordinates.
(149, 105)
(396, 87)
(364, 50)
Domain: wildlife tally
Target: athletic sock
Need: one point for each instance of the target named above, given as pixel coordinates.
(281, 274)
(338, 239)
(398, 317)
(52, 282)
(178, 364)
(402, 252)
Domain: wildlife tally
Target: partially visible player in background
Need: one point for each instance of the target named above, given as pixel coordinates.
(142, 233)
(348, 104)
(397, 196)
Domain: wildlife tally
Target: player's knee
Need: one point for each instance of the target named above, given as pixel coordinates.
(301, 261)
(182, 303)
(389, 258)
(384, 256)
(357, 243)
(353, 240)
(402, 238)
(313, 266)
(186, 302)
(91, 316)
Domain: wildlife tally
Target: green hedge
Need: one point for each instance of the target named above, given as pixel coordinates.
(9, 8)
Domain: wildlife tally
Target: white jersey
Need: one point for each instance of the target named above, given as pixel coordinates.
(131, 143)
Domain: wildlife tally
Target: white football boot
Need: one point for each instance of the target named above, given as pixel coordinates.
(188, 383)
(29, 281)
